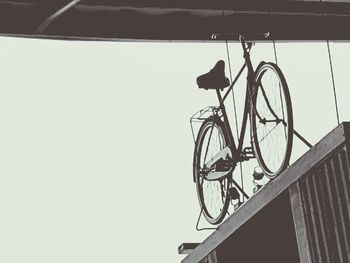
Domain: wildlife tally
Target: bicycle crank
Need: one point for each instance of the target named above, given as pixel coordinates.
(219, 165)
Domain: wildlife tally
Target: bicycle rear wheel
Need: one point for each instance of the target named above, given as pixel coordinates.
(271, 119)
(212, 195)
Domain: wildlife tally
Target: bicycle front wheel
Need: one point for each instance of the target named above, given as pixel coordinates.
(213, 195)
(271, 120)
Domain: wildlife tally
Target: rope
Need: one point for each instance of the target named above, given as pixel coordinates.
(333, 82)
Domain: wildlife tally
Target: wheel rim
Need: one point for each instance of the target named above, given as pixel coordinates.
(272, 121)
(213, 195)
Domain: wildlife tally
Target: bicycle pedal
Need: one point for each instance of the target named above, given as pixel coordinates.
(247, 153)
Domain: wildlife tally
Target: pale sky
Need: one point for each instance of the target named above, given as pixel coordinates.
(96, 147)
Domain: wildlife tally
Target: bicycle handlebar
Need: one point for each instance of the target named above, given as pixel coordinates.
(246, 36)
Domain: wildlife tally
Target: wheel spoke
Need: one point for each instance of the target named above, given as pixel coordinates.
(268, 133)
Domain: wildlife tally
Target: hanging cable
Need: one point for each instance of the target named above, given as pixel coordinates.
(274, 51)
(332, 74)
(234, 105)
(235, 111)
(280, 88)
(333, 82)
(294, 131)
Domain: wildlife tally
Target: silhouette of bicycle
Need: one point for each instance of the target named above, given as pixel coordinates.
(268, 106)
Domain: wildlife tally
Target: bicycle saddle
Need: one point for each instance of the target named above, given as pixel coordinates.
(215, 78)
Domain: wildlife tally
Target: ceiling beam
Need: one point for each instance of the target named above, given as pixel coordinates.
(192, 20)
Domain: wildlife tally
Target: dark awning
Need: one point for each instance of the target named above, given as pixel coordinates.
(175, 20)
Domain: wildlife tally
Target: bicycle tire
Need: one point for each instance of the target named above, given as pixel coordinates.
(214, 215)
(272, 146)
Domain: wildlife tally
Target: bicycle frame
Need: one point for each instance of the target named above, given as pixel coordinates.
(239, 148)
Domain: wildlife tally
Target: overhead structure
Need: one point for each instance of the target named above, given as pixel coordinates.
(183, 20)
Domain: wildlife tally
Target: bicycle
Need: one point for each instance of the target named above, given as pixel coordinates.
(268, 105)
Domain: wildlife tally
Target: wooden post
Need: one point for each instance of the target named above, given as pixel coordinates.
(299, 223)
